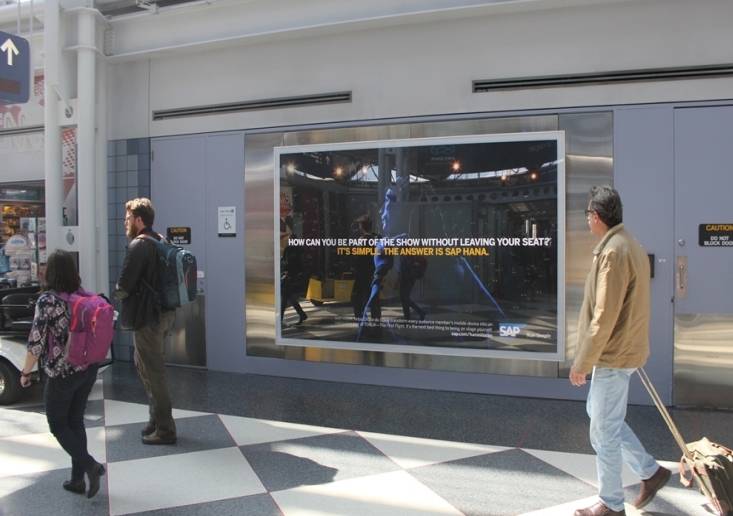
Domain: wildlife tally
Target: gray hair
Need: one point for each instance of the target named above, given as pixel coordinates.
(606, 202)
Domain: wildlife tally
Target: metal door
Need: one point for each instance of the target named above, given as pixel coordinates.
(703, 143)
(177, 190)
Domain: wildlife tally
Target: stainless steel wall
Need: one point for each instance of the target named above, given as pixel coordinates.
(703, 360)
(589, 155)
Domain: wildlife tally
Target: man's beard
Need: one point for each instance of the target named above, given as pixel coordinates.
(132, 231)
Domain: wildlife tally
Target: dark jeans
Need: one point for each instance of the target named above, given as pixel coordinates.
(293, 300)
(406, 286)
(66, 400)
(150, 364)
(359, 297)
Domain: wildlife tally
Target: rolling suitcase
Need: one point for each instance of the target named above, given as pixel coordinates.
(710, 464)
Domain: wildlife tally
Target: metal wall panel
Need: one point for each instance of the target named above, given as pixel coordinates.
(518, 124)
(589, 138)
(703, 374)
(259, 277)
(588, 162)
(259, 171)
(703, 360)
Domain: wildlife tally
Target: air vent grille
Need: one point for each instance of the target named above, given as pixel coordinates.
(15, 131)
(553, 81)
(254, 105)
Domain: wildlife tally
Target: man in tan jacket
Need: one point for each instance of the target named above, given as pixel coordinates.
(613, 340)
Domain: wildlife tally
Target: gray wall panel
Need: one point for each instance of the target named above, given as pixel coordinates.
(645, 181)
(704, 312)
(225, 283)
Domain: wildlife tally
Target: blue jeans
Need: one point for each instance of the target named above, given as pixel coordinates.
(611, 437)
(66, 400)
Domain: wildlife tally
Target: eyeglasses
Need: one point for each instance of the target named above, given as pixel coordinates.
(588, 212)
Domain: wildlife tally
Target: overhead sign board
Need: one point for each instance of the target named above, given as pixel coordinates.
(15, 69)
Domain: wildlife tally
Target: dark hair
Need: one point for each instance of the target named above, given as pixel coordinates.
(365, 221)
(61, 274)
(606, 202)
(142, 208)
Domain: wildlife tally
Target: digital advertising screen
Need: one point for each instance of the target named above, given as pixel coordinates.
(443, 246)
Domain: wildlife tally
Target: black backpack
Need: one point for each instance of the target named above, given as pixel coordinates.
(177, 268)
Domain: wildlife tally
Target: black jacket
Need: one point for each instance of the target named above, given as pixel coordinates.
(362, 266)
(293, 274)
(139, 305)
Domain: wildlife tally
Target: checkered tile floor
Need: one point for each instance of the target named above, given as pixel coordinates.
(229, 464)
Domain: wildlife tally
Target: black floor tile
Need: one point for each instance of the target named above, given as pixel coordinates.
(256, 505)
(501, 484)
(716, 425)
(94, 414)
(41, 493)
(194, 434)
(559, 426)
(474, 418)
(315, 460)
(652, 431)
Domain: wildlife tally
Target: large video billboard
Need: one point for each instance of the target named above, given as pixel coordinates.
(445, 246)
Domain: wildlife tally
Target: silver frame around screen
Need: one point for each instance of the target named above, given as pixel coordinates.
(557, 356)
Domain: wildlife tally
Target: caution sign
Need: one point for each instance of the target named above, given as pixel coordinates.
(180, 235)
(716, 235)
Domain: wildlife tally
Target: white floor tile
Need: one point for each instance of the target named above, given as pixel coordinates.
(388, 494)
(412, 452)
(34, 453)
(570, 507)
(246, 430)
(20, 422)
(123, 413)
(182, 479)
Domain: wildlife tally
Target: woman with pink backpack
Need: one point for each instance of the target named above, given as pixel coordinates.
(68, 386)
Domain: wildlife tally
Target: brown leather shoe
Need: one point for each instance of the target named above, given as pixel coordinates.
(154, 438)
(650, 486)
(599, 510)
(148, 429)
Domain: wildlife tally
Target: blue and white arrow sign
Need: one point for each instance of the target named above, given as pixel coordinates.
(15, 69)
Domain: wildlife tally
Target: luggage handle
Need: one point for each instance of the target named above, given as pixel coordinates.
(665, 414)
(686, 454)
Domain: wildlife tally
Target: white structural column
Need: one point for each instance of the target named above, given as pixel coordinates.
(54, 178)
(87, 111)
(100, 180)
(85, 140)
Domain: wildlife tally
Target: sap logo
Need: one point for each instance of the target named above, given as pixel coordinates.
(510, 330)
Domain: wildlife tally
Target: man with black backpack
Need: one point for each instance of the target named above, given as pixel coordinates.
(143, 314)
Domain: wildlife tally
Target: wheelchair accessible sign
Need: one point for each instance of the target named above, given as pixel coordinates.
(227, 222)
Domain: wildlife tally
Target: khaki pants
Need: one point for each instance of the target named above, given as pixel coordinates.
(150, 365)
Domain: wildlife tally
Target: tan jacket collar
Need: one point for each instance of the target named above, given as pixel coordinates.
(615, 229)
